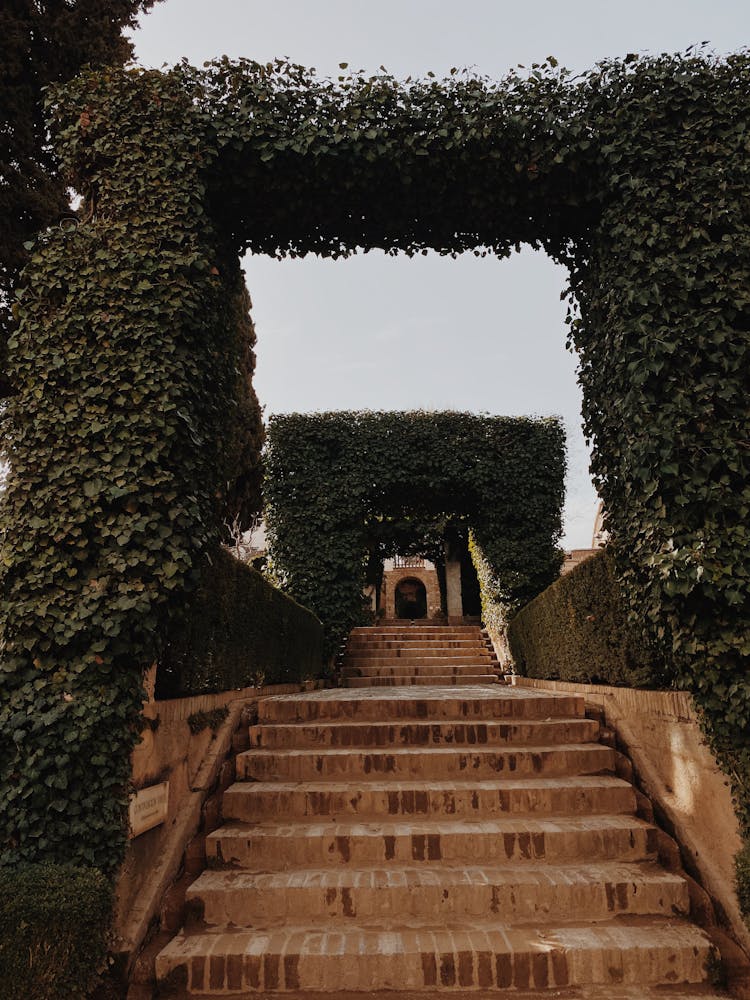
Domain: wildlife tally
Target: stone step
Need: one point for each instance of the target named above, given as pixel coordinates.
(399, 894)
(692, 991)
(442, 762)
(490, 702)
(252, 801)
(406, 631)
(430, 671)
(280, 846)
(651, 952)
(433, 662)
(418, 680)
(413, 645)
(408, 654)
(438, 733)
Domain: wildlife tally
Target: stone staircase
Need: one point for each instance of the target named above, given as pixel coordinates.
(415, 840)
(397, 653)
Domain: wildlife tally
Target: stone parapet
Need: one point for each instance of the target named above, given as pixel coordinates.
(660, 732)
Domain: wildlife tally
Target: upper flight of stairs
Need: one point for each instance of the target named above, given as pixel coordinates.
(397, 653)
(434, 839)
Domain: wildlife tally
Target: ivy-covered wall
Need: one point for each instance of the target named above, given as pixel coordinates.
(133, 432)
(576, 630)
(338, 484)
(634, 175)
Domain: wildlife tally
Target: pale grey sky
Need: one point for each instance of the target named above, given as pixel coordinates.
(399, 333)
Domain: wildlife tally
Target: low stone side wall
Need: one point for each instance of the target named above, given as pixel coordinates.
(662, 737)
(191, 761)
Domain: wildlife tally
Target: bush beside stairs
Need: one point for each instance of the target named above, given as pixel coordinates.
(426, 829)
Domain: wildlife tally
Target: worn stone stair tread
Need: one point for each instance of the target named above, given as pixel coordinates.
(648, 951)
(472, 658)
(512, 694)
(539, 782)
(282, 845)
(436, 669)
(375, 893)
(409, 734)
(415, 681)
(460, 761)
(375, 798)
(692, 991)
(379, 826)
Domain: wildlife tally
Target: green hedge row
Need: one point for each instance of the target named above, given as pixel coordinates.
(238, 630)
(54, 921)
(576, 630)
(347, 489)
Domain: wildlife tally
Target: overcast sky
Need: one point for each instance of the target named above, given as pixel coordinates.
(399, 333)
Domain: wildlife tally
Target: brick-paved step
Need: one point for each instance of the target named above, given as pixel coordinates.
(439, 732)
(419, 659)
(647, 952)
(409, 631)
(412, 680)
(426, 667)
(489, 702)
(693, 991)
(416, 646)
(431, 668)
(279, 846)
(442, 762)
(515, 893)
(579, 795)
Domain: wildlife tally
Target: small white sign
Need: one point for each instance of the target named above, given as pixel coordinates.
(148, 808)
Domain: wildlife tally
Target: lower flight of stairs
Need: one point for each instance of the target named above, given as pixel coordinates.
(398, 653)
(423, 839)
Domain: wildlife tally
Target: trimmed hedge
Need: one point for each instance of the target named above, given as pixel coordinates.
(576, 630)
(347, 489)
(54, 921)
(238, 630)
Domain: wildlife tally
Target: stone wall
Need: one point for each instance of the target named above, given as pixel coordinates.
(659, 730)
(170, 750)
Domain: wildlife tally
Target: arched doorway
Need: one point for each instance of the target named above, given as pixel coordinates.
(411, 599)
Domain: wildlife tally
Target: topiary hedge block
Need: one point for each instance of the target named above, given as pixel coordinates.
(577, 630)
(238, 630)
(54, 921)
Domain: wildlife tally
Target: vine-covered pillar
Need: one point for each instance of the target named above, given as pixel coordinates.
(128, 355)
(664, 339)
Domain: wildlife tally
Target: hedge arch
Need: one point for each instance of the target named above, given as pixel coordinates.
(133, 339)
(343, 488)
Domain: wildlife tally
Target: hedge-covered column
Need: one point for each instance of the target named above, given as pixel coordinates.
(127, 356)
(665, 347)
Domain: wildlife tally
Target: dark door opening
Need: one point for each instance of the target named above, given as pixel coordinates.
(411, 599)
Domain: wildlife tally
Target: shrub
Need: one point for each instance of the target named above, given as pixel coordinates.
(54, 921)
(347, 488)
(238, 630)
(576, 630)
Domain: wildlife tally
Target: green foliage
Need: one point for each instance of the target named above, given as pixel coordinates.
(577, 630)
(742, 873)
(54, 921)
(634, 175)
(198, 721)
(40, 44)
(237, 630)
(132, 440)
(340, 485)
